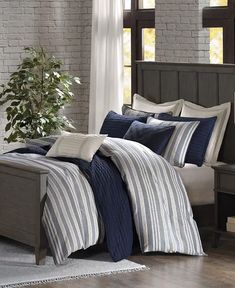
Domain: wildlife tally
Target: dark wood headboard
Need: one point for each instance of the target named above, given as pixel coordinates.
(204, 84)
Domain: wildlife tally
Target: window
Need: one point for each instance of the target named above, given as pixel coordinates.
(216, 45)
(216, 37)
(139, 40)
(220, 19)
(218, 3)
(147, 4)
(127, 64)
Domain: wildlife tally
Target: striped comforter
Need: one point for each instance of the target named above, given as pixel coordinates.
(160, 206)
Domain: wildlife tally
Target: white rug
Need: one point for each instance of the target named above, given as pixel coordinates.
(17, 266)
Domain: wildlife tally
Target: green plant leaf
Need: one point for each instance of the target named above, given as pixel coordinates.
(34, 95)
(8, 126)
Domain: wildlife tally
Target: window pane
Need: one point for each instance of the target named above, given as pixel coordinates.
(218, 2)
(148, 36)
(127, 4)
(146, 4)
(127, 45)
(216, 45)
(127, 85)
(127, 64)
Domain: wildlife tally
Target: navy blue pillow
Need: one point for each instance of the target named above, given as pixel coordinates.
(116, 125)
(154, 137)
(200, 139)
(30, 150)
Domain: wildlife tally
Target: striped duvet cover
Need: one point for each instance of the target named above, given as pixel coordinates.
(161, 210)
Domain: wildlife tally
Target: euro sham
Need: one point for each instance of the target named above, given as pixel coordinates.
(140, 103)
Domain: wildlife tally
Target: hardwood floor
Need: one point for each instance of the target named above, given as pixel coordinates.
(217, 270)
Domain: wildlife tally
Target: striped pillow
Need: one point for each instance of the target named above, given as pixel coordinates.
(43, 141)
(128, 111)
(76, 145)
(177, 147)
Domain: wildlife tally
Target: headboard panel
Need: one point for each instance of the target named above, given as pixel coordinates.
(204, 84)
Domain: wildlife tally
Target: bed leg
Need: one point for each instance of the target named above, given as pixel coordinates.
(40, 255)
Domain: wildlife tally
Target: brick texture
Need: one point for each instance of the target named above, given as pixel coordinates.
(63, 27)
(180, 36)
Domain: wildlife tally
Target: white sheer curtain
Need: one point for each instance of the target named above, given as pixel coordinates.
(106, 88)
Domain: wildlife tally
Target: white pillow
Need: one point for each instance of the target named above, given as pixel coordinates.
(222, 112)
(142, 104)
(177, 146)
(76, 145)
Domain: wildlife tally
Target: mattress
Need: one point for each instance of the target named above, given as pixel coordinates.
(199, 183)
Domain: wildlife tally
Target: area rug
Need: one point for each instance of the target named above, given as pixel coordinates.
(17, 266)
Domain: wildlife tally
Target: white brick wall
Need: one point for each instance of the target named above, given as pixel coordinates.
(63, 27)
(180, 36)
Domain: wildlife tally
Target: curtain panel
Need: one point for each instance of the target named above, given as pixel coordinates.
(106, 81)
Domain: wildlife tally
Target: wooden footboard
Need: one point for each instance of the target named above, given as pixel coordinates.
(22, 198)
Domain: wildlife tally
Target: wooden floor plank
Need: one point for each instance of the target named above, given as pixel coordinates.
(216, 270)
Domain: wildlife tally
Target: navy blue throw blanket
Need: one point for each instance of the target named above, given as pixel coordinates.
(111, 199)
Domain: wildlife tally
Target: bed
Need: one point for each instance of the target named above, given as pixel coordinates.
(24, 188)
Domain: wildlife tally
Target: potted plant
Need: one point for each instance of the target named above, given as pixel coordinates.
(34, 96)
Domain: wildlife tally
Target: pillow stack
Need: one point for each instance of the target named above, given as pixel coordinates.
(195, 137)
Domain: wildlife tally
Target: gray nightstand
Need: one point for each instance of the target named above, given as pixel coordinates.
(224, 198)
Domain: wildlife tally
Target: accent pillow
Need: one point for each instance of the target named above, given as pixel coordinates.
(154, 137)
(200, 139)
(128, 111)
(140, 103)
(178, 145)
(222, 113)
(116, 125)
(76, 145)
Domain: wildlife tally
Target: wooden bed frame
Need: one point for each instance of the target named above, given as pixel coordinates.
(23, 192)
(23, 189)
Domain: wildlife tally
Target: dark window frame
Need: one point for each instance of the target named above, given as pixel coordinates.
(137, 19)
(223, 16)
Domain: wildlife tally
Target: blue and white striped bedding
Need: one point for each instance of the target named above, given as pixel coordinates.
(159, 203)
